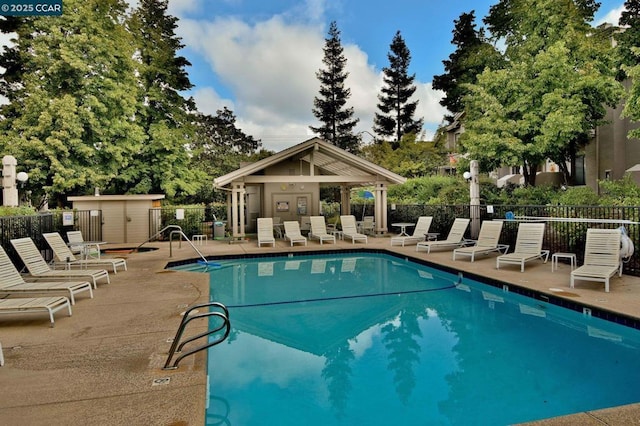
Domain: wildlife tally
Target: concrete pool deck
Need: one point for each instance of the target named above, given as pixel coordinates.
(103, 365)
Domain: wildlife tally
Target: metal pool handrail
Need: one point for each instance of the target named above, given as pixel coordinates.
(177, 345)
(175, 230)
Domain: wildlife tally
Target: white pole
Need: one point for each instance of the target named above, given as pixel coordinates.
(474, 193)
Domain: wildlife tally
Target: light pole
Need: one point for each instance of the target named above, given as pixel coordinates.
(474, 195)
(373, 138)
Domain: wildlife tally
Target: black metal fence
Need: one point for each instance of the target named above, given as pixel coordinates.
(566, 226)
(12, 227)
(565, 231)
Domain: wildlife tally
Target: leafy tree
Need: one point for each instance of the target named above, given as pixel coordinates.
(219, 147)
(162, 164)
(550, 95)
(411, 159)
(337, 120)
(396, 110)
(629, 38)
(72, 93)
(629, 57)
(473, 53)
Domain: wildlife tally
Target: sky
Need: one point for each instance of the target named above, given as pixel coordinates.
(259, 58)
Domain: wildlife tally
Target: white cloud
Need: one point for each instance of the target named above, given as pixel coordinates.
(269, 68)
(612, 17)
(209, 101)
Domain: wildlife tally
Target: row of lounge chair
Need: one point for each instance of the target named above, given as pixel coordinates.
(318, 231)
(44, 280)
(602, 251)
(601, 259)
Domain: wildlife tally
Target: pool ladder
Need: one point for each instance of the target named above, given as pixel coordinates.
(177, 345)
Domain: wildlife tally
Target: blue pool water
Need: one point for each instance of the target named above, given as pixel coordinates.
(372, 339)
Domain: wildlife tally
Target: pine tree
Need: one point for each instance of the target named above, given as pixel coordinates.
(396, 117)
(329, 108)
(470, 58)
(163, 164)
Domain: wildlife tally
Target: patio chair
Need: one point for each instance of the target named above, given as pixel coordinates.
(84, 248)
(12, 282)
(30, 305)
(528, 246)
(39, 268)
(292, 232)
(419, 232)
(319, 230)
(277, 227)
(350, 229)
(601, 257)
(487, 241)
(265, 231)
(454, 239)
(368, 225)
(63, 256)
(305, 225)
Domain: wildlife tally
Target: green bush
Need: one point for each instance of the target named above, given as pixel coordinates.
(578, 196)
(17, 211)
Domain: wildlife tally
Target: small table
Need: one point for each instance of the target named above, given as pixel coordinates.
(337, 233)
(199, 239)
(403, 228)
(431, 236)
(85, 251)
(556, 256)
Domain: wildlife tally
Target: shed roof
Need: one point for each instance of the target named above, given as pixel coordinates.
(132, 197)
(334, 164)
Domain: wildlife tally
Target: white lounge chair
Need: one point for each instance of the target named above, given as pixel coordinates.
(39, 268)
(528, 246)
(601, 257)
(63, 256)
(454, 239)
(11, 282)
(419, 232)
(319, 230)
(265, 231)
(32, 305)
(350, 229)
(488, 241)
(292, 232)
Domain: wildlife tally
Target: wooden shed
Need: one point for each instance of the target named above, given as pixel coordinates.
(125, 218)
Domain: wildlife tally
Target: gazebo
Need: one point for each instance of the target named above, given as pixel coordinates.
(287, 185)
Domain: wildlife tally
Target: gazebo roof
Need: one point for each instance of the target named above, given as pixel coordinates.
(333, 164)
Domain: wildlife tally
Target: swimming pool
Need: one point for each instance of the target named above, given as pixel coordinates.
(369, 339)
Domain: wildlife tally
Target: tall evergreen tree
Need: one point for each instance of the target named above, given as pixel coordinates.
(329, 108)
(72, 91)
(473, 53)
(163, 163)
(396, 116)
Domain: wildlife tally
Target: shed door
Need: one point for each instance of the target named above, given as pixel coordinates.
(114, 222)
(137, 221)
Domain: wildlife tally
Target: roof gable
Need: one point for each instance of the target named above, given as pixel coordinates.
(335, 164)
